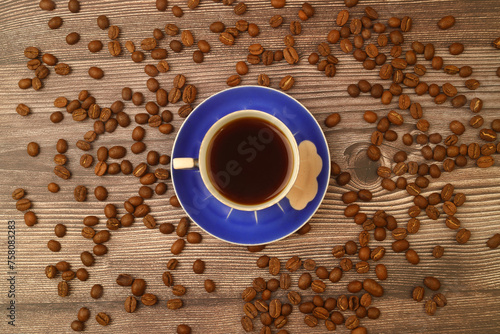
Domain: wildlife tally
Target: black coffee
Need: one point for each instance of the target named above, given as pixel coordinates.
(249, 161)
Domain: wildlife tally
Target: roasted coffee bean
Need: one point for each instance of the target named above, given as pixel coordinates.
(103, 22)
(440, 300)
(177, 246)
(437, 252)
(96, 72)
(88, 232)
(494, 241)
(62, 266)
(274, 266)
(459, 101)
(293, 264)
(87, 258)
(63, 289)
(83, 314)
(418, 293)
(310, 320)
(54, 246)
(149, 299)
(463, 235)
(25, 83)
(166, 228)
(96, 291)
(167, 278)
(294, 297)
(102, 319)
(430, 307)
(287, 82)
(247, 324)
(372, 287)
(95, 46)
(50, 271)
(55, 22)
(233, 80)
(290, 55)
(80, 193)
(149, 221)
(259, 284)
(337, 318)
(124, 280)
(275, 308)
(378, 253)
(178, 290)
(250, 310)
(198, 266)
(138, 287)
(456, 48)
(30, 219)
(248, 294)
(319, 286)
(304, 281)
(412, 256)
(130, 304)
(446, 22)
(101, 237)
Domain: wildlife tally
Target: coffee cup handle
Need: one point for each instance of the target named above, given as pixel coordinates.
(185, 163)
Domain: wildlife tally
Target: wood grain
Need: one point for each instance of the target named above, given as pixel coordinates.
(469, 273)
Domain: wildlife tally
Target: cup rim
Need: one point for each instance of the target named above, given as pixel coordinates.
(207, 139)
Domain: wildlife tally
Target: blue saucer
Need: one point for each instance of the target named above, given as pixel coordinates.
(219, 220)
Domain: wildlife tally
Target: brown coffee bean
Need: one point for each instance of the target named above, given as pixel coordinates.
(96, 72)
(418, 293)
(319, 286)
(149, 299)
(233, 80)
(95, 46)
(55, 22)
(83, 314)
(30, 219)
(275, 308)
(372, 287)
(96, 291)
(103, 22)
(291, 55)
(226, 38)
(304, 281)
(54, 245)
(274, 266)
(130, 304)
(102, 319)
(101, 237)
(287, 82)
(430, 307)
(446, 22)
(177, 246)
(456, 48)
(248, 294)
(124, 280)
(63, 289)
(412, 256)
(463, 235)
(138, 287)
(459, 101)
(59, 230)
(87, 258)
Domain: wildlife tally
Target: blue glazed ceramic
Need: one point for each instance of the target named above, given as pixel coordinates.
(219, 220)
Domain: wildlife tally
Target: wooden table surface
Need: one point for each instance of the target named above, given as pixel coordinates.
(470, 273)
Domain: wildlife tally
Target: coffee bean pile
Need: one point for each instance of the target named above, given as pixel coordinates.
(41, 72)
(274, 312)
(368, 38)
